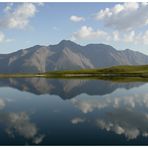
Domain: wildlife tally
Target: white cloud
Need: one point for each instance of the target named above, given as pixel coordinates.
(8, 7)
(134, 37)
(145, 37)
(125, 37)
(18, 17)
(116, 36)
(124, 16)
(87, 32)
(75, 18)
(9, 40)
(130, 37)
(2, 37)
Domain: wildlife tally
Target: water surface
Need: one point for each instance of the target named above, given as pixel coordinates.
(38, 111)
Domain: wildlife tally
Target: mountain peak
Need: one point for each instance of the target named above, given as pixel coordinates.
(67, 43)
(128, 50)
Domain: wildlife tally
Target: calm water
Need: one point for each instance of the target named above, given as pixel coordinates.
(73, 112)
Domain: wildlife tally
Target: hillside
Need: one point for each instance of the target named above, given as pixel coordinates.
(68, 55)
(124, 70)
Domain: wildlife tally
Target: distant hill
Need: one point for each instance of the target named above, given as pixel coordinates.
(68, 55)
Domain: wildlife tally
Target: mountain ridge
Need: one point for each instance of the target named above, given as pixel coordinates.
(68, 55)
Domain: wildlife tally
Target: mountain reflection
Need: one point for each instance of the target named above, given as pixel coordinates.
(66, 89)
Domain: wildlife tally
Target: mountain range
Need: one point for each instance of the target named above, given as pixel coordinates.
(68, 55)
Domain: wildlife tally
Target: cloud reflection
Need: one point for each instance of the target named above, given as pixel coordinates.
(2, 104)
(123, 115)
(19, 123)
(77, 120)
(130, 102)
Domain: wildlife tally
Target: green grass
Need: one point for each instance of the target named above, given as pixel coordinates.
(111, 71)
(115, 73)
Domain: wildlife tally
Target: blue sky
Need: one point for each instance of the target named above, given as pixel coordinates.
(122, 25)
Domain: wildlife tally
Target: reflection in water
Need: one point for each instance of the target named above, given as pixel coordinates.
(66, 89)
(131, 124)
(19, 123)
(98, 112)
(2, 104)
(77, 120)
(127, 102)
(126, 115)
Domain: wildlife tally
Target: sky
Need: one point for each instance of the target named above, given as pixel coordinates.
(121, 25)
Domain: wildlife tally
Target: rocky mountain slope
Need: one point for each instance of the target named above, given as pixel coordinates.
(68, 55)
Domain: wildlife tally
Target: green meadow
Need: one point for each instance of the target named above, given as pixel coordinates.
(114, 73)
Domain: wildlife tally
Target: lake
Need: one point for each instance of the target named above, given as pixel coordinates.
(39, 111)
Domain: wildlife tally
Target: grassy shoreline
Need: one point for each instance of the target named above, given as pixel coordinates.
(104, 73)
